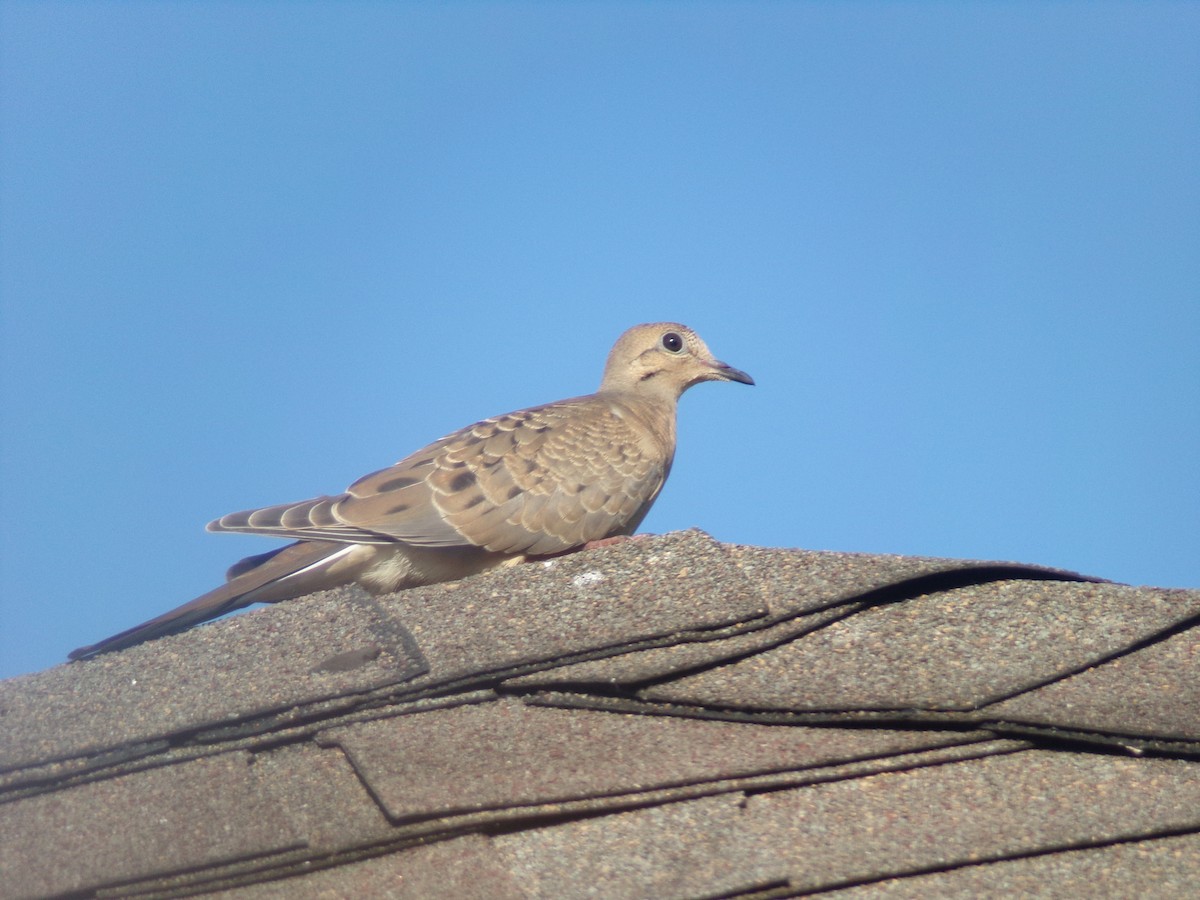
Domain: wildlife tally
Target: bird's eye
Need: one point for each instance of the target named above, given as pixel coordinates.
(672, 342)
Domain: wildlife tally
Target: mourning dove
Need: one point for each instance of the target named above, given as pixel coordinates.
(532, 483)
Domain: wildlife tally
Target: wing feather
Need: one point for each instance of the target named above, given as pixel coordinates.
(536, 481)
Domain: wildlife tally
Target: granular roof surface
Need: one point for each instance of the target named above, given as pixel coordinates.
(667, 717)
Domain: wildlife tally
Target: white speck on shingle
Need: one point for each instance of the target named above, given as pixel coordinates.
(586, 578)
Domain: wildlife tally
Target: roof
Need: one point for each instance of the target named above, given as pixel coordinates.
(668, 717)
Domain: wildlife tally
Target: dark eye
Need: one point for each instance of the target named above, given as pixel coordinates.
(672, 342)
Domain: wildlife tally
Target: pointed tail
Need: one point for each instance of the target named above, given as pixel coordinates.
(292, 571)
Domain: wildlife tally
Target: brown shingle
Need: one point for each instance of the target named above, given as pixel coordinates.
(959, 649)
(998, 807)
(505, 753)
(1154, 691)
(250, 665)
(153, 823)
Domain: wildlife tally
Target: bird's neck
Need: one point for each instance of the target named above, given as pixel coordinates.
(654, 412)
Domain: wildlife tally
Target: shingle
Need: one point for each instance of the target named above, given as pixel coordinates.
(507, 754)
(836, 833)
(1162, 867)
(344, 643)
(652, 587)
(465, 868)
(392, 737)
(322, 797)
(671, 661)
(798, 581)
(963, 812)
(803, 588)
(954, 650)
(697, 848)
(1154, 691)
(203, 813)
(216, 674)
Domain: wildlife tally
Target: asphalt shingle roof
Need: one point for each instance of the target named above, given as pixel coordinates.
(669, 717)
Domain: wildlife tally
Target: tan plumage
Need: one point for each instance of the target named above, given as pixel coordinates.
(530, 483)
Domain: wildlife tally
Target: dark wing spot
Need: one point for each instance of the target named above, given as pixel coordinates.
(462, 481)
(399, 508)
(395, 484)
(513, 491)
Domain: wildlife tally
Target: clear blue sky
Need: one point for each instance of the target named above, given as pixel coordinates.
(251, 251)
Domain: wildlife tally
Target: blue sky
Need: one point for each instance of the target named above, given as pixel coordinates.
(251, 251)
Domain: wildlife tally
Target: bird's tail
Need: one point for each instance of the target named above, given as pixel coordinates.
(292, 571)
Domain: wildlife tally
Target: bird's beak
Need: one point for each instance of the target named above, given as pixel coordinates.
(725, 372)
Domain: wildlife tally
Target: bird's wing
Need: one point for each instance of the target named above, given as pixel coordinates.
(537, 481)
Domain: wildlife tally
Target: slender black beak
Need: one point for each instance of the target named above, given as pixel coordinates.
(726, 372)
